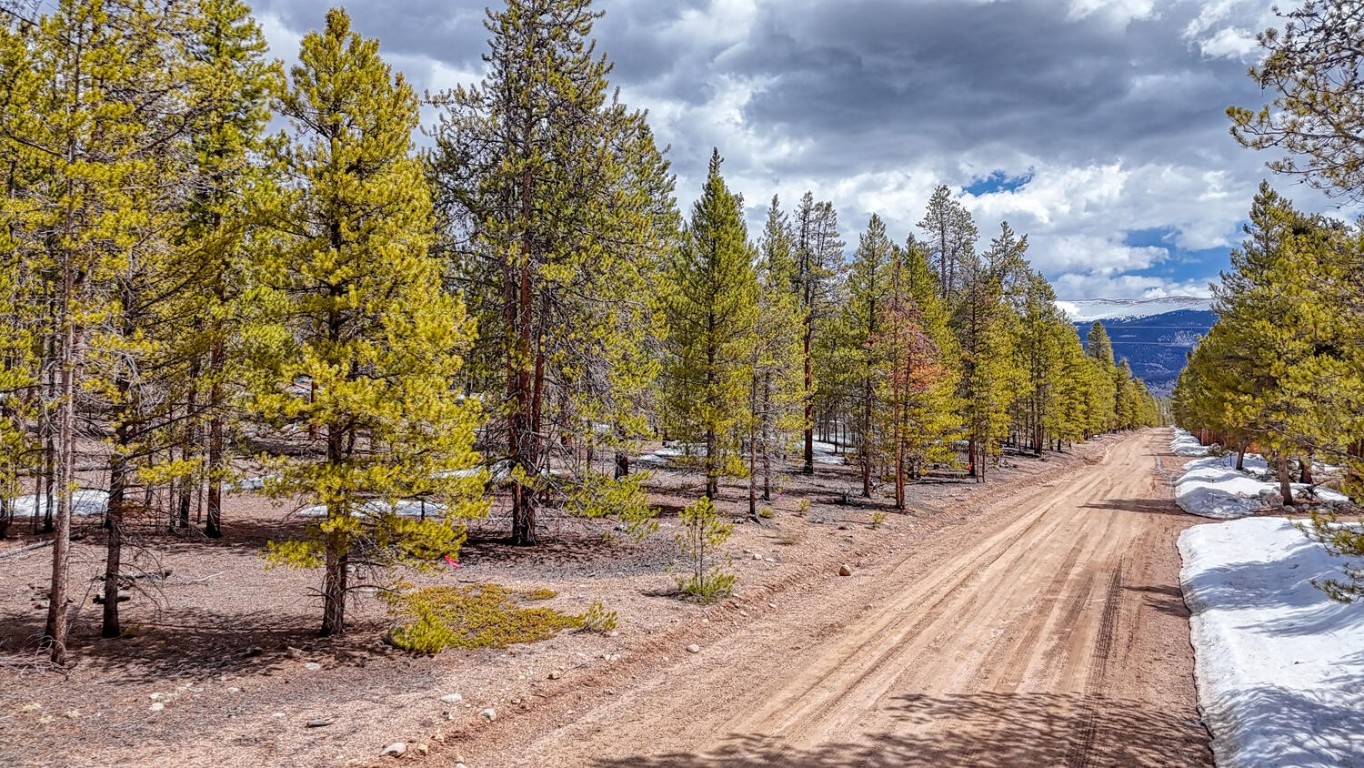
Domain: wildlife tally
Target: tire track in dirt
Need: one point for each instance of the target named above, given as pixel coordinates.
(1025, 604)
(812, 710)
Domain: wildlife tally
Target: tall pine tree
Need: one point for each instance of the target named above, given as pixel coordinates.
(351, 304)
(557, 207)
(712, 311)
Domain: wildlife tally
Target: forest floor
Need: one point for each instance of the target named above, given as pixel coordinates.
(1033, 620)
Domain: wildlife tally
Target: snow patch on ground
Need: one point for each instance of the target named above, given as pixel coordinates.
(84, 503)
(827, 453)
(1185, 444)
(403, 508)
(253, 483)
(1280, 667)
(669, 452)
(1213, 487)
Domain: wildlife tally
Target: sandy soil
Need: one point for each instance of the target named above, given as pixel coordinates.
(1047, 630)
(1035, 620)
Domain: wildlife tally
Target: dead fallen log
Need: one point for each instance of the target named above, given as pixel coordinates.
(24, 550)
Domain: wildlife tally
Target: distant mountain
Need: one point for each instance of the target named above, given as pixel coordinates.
(1155, 336)
(1089, 310)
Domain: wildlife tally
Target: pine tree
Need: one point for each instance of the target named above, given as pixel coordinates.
(351, 303)
(777, 399)
(990, 380)
(1098, 345)
(934, 416)
(868, 288)
(557, 208)
(1274, 368)
(1039, 352)
(950, 238)
(1069, 420)
(819, 260)
(909, 385)
(712, 311)
(89, 112)
(1315, 71)
(231, 84)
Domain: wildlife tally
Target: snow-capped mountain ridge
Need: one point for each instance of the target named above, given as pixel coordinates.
(1089, 310)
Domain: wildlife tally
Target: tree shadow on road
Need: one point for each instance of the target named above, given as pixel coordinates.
(983, 730)
(1168, 599)
(1142, 506)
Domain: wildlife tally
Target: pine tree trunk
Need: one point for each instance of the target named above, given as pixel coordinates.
(1285, 481)
(865, 439)
(768, 429)
(69, 360)
(118, 476)
(523, 441)
(1241, 458)
(50, 454)
(900, 454)
(712, 472)
(189, 447)
(622, 458)
(1305, 469)
(334, 587)
(214, 520)
(809, 392)
(753, 425)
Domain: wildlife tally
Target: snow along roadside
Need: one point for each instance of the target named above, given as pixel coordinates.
(1212, 486)
(1279, 666)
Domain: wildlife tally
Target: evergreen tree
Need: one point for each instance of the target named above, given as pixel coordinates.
(1075, 372)
(351, 304)
(909, 384)
(231, 83)
(777, 397)
(90, 108)
(819, 260)
(1039, 352)
(1275, 367)
(950, 238)
(990, 380)
(712, 311)
(1315, 71)
(933, 416)
(868, 287)
(1098, 345)
(557, 208)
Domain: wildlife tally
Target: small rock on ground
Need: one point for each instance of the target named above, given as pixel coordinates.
(844, 570)
(396, 749)
(693, 648)
(489, 714)
(452, 698)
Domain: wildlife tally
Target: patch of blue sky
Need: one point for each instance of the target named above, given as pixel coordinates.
(998, 181)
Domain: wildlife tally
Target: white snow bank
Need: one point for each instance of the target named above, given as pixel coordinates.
(1279, 666)
(403, 508)
(254, 483)
(827, 453)
(1185, 444)
(666, 454)
(1213, 487)
(84, 503)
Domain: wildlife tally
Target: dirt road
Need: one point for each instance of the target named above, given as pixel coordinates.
(1046, 630)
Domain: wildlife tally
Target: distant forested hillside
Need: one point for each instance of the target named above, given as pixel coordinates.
(1156, 346)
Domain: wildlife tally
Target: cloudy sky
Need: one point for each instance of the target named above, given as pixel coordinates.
(1096, 127)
